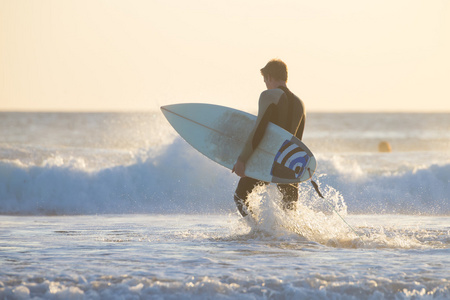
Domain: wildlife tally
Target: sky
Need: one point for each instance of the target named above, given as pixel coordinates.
(111, 55)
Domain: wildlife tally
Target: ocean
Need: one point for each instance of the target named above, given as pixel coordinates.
(118, 206)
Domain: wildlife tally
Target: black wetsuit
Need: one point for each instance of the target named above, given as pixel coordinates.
(287, 111)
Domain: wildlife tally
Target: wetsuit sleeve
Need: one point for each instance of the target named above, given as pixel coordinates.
(265, 107)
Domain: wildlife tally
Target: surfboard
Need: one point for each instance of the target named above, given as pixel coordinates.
(220, 132)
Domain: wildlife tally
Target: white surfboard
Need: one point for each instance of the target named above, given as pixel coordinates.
(220, 133)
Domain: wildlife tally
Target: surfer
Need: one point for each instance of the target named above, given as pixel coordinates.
(280, 106)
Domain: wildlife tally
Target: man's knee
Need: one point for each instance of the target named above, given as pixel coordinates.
(290, 205)
(290, 196)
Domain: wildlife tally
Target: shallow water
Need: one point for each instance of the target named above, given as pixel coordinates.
(220, 256)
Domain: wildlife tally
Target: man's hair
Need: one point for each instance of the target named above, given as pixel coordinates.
(276, 69)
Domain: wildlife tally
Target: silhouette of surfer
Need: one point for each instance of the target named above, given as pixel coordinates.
(280, 106)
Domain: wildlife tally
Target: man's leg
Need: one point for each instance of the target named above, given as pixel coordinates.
(290, 195)
(244, 188)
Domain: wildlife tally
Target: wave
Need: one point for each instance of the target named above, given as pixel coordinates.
(419, 189)
(177, 179)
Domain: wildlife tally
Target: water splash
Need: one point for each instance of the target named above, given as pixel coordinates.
(269, 222)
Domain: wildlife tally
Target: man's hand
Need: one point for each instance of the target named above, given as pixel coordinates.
(239, 168)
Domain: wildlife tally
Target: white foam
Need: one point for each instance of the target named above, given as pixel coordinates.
(315, 286)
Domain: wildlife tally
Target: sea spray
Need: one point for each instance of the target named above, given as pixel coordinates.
(268, 221)
(307, 222)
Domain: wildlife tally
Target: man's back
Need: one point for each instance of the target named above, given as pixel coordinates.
(290, 113)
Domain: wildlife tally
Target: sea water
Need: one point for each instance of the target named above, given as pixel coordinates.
(118, 206)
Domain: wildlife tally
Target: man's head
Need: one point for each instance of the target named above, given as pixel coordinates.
(275, 73)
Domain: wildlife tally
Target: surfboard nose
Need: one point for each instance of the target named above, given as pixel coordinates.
(166, 109)
(170, 107)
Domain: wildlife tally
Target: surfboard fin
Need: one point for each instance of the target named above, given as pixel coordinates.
(316, 187)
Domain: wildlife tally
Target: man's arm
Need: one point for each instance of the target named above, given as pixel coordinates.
(267, 98)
